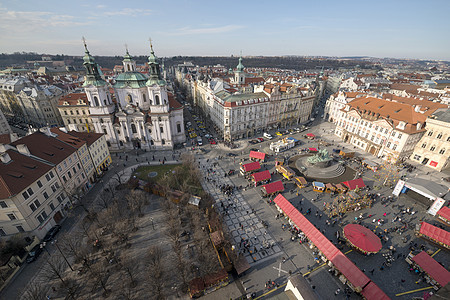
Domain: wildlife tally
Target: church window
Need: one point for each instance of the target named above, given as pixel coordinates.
(121, 143)
(178, 128)
(161, 129)
(104, 131)
(133, 128)
(118, 131)
(65, 112)
(159, 119)
(96, 101)
(145, 98)
(163, 141)
(157, 99)
(151, 142)
(71, 112)
(129, 68)
(149, 131)
(108, 143)
(104, 101)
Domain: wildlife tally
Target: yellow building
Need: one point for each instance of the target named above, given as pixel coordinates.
(74, 110)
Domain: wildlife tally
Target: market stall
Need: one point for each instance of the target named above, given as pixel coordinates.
(310, 136)
(272, 188)
(436, 274)
(318, 186)
(354, 184)
(443, 215)
(312, 150)
(247, 169)
(330, 188)
(300, 182)
(370, 165)
(261, 177)
(340, 188)
(433, 234)
(257, 156)
(362, 238)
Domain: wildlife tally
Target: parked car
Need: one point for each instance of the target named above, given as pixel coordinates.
(51, 233)
(267, 136)
(260, 140)
(212, 141)
(34, 253)
(231, 154)
(278, 133)
(252, 142)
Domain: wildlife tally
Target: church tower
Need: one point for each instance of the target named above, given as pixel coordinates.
(101, 107)
(159, 104)
(129, 65)
(239, 74)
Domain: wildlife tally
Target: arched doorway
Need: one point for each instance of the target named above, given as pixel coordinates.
(346, 139)
(372, 150)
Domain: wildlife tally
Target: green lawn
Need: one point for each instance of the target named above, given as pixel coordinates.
(142, 172)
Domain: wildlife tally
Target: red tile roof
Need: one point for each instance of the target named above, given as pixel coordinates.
(46, 147)
(89, 137)
(251, 166)
(435, 233)
(444, 212)
(72, 99)
(355, 183)
(257, 155)
(173, 103)
(19, 173)
(67, 138)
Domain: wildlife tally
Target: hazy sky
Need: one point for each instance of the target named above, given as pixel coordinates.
(383, 28)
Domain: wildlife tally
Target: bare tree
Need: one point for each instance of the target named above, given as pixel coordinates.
(72, 245)
(136, 202)
(119, 177)
(99, 274)
(55, 269)
(155, 272)
(35, 291)
(131, 267)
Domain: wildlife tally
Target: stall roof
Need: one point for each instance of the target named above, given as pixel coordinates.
(257, 155)
(300, 179)
(260, 176)
(444, 212)
(342, 263)
(251, 166)
(433, 268)
(355, 183)
(283, 204)
(310, 134)
(330, 186)
(273, 187)
(372, 291)
(312, 149)
(319, 184)
(340, 187)
(293, 139)
(435, 233)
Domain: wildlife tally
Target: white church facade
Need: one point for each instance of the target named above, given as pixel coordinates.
(142, 115)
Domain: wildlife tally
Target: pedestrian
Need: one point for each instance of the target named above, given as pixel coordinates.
(371, 271)
(337, 292)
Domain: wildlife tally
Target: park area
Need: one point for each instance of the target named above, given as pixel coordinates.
(135, 244)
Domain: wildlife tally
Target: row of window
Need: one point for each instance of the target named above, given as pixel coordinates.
(19, 229)
(439, 136)
(77, 112)
(432, 148)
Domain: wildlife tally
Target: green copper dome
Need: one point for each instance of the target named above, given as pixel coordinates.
(240, 66)
(130, 79)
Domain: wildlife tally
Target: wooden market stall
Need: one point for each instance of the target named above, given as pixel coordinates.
(436, 274)
(261, 177)
(340, 188)
(318, 186)
(300, 182)
(257, 156)
(434, 234)
(247, 169)
(330, 188)
(443, 215)
(272, 188)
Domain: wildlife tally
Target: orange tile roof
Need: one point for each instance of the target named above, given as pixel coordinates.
(73, 98)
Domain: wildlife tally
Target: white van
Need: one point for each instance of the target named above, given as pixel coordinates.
(199, 141)
(267, 136)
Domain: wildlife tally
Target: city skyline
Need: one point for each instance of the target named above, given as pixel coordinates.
(400, 29)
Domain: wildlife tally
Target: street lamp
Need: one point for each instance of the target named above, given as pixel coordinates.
(153, 225)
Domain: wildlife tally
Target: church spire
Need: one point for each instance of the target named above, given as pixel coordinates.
(154, 70)
(93, 74)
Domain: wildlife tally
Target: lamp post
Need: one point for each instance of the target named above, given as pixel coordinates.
(55, 243)
(153, 225)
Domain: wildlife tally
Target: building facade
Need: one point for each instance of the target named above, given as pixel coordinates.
(145, 115)
(74, 111)
(32, 198)
(433, 148)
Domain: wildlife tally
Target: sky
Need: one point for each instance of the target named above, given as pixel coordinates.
(382, 28)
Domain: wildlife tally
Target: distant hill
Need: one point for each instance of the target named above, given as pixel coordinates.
(283, 62)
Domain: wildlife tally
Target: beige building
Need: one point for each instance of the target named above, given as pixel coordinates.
(74, 110)
(337, 102)
(385, 129)
(97, 148)
(433, 149)
(32, 198)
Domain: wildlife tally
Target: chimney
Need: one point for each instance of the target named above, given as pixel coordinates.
(23, 149)
(4, 148)
(5, 158)
(417, 108)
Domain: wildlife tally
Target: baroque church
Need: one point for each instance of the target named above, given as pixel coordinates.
(142, 115)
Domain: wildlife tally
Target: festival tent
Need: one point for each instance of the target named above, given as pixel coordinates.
(444, 214)
(273, 187)
(260, 176)
(355, 183)
(258, 155)
(251, 166)
(310, 135)
(432, 268)
(362, 238)
(435, 233)
(373, 291)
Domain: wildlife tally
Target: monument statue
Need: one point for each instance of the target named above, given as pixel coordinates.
(321, 157)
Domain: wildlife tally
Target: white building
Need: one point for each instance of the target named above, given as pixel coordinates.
(337, 102)
(144, 114)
